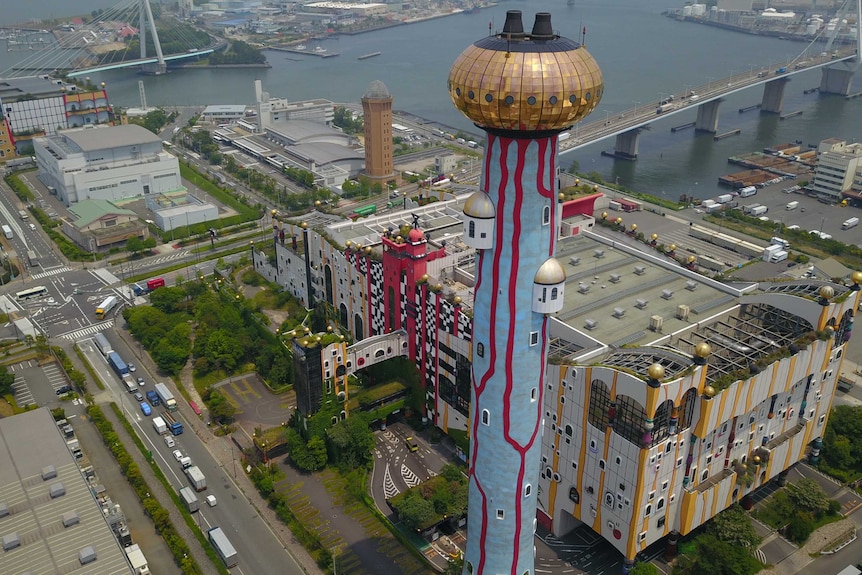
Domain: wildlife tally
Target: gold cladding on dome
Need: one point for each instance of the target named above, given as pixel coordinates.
(856, 277)
(656, 371)
(826, 292)
(550, 273)
(525, 82)
(702, 350)
(709, 391)
(480, 206)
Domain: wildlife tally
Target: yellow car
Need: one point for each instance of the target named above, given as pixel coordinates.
(411, 445)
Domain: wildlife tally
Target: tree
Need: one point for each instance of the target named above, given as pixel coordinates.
(718, 558)
(352, 441)
(41, 343)
(807, 495)
(6, 380)
(168, 299)
(842, 443)
(414, 511)
(149, 243)
(134, 245)
(221, 408)
(733, 526)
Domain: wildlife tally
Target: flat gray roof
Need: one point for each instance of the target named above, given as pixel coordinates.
(103, 138)
(46, 546)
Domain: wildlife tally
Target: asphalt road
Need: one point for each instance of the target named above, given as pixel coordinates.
(258, 548)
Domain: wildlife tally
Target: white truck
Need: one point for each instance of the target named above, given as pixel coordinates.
(137, 560)
(190, 500)
(724, 198)
(778, 256)
(758, 211)
(850, 223)
(770, 251)
(160, 426)
(196, 478)
(747, 191)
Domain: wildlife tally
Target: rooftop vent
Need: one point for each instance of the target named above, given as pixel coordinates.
(583, 288)
(641, 303)
(11, 541)
(591, 324)
(619, 312)
(615, 278)
(87, 555)
(57, 490)
(691, 285)
(4, 509)
(49, 472)
(640, 270)
(574, 260)
(599, 254)
(656, 322)
(666, 294)
(682, 312)
(70, 518)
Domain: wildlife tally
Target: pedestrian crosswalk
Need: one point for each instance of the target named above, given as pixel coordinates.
(51, 272)
(410, 478)
(89, 330)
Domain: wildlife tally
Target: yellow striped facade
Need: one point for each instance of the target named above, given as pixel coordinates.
(634, 495)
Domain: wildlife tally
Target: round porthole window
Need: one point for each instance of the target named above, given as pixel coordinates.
(510, 100)
(531, 100)
(489, 98)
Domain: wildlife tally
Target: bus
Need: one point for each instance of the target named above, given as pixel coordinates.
(7, 231)
(34, 292)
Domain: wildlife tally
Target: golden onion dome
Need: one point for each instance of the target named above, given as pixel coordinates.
(479, 205)
(525, 82)
(826, 292)
(702, 350)
(550, 273)
(656, 371)
(856, 277)
(709, 391)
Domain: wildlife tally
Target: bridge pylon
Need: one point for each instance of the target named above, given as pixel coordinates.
(147, 21)
(838, 79)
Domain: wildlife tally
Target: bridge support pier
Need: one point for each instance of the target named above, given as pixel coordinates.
(153, 69)
(707, 117)
(835, 81)
(626, 146)
(773, 96)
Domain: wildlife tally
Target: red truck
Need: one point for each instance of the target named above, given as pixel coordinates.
(155, 283)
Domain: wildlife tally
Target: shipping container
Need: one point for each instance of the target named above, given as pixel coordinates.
(166, 396)
(117, 364)
(102, 343)
(223, 546)
(155, 283)
(189, 498)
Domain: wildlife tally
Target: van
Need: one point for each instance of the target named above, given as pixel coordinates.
(186, 462)
(776, 241)
(747, 192)
(791, 205)
(851, 223)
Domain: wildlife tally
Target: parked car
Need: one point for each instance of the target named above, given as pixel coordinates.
(64, 390)
(146, 409)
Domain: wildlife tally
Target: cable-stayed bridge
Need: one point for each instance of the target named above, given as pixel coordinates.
(123, 36)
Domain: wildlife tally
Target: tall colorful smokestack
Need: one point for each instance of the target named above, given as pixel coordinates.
(522, 89)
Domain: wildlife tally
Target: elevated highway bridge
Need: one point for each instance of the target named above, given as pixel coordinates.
(837, 68)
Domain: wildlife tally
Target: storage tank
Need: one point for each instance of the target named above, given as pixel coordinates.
(812, 29)
(686, 10)
(698, 9)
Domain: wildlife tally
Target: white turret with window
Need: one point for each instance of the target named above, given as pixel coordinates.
(479, 215)
(549, 286)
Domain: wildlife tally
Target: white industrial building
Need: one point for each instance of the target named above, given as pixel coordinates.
(105, 163)
(837, 164)
(180, 209)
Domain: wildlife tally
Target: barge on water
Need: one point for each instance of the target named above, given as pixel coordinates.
(370, 55)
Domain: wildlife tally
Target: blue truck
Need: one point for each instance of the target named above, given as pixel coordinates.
(153, 398)
(175, 426)
(117, 364)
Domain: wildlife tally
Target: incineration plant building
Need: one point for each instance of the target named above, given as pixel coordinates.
(667, 396)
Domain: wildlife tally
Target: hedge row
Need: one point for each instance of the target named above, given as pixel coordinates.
(160, 516)
(21, 190)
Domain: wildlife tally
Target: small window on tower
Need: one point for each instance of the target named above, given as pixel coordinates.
(480, 349)
(471, 229)
(486, 417)
(546, 215)
(534, 338)
(501, 514)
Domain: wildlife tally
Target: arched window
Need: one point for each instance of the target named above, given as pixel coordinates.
(569, 430)
(486, 417)
(660, 504)
(546, 215)
(686, 408)
(600, 402)
(471, 229)
(528, 490)
(630, 418)
(554, 293)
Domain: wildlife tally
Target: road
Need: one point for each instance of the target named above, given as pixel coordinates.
(259, 549)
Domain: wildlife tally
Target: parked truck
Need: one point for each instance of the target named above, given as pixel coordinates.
(160, 426)
(166, 396)
(155, 283)
(175, 426)
(759, 211)
(153, 398)
(850, 223)
(223, 546)
(747, 191)
(106, 306)
(778, 256)
(190, 500)
(117, 364)
(137, 560)
(103, 345)
(196, 478)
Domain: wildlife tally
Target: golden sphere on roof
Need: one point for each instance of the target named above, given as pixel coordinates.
(826, 292)
(438, 287)
(348, 243)
(399, 239)
(656, 371)
(619, 221)
(604, 215)
(367, 249)
(304, 225)
(856, 277)
(634, 227)
(702, 350)
(457, 300)
(424, 278)
(672, 247)
(318, 203)
(709, 391)
(561, 196)
(756, 460)
(577, 181)
(654, 237)
(329, 328)
(691, 259)
(525, 81)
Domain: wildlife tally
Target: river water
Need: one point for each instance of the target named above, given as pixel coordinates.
(643, 56)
